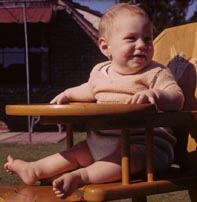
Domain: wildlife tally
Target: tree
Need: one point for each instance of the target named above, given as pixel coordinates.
(166, 13)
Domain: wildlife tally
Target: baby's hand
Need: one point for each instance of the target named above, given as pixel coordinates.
(146, 96)
(60, 99)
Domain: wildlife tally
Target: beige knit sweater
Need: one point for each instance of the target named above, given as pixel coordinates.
(106, 86)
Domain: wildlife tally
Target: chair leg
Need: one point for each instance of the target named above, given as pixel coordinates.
(69, 135)
(139, 199)
(193, 195)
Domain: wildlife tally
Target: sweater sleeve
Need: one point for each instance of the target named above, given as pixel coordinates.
(169, 96)
(84, 92)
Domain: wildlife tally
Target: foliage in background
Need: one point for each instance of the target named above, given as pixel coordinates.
(166, 13)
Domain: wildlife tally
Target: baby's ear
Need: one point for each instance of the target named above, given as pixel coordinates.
(105, 49)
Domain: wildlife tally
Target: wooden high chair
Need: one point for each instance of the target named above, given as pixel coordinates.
(177, 48)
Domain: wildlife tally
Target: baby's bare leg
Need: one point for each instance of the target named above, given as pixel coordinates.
(50, 166)
(105, 170)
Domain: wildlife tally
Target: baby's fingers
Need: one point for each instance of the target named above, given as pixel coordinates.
(53, 101)
(151, 100)
(60, 99)
(139, 99)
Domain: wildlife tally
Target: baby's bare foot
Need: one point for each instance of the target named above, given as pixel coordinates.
(66, 184)
(22, 168)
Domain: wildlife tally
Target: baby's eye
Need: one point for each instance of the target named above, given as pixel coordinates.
(148, 40)
(131, 38)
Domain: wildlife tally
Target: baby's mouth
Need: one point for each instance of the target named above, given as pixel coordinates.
(139, 57)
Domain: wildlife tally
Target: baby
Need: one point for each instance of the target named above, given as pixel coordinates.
(129, 76)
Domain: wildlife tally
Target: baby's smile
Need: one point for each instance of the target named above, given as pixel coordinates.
(139, 57)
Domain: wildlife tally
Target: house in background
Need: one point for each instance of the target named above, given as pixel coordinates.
(62, 49)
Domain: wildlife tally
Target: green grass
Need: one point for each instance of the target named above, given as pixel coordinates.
(28, 152)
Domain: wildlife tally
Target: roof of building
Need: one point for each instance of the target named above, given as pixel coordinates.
(85, 17)
(41, 11)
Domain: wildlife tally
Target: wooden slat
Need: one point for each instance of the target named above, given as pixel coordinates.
(27, 194)
(115, 191)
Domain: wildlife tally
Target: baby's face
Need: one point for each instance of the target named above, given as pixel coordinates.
(130, 43)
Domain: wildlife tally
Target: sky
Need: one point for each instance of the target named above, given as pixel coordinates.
(103, 5)
(192, 9)
(98, 5)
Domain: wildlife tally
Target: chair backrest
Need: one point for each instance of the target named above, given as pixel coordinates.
(176, 48)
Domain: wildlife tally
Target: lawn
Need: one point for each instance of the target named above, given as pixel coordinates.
(28, 152)
(32, 152)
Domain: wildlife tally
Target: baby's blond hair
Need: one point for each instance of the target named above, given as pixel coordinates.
(107, 19)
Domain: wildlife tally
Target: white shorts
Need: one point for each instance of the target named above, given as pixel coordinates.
(103, 143)
(101, 146)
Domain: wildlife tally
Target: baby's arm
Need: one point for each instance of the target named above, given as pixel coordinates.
(145, 96)
(163, 91)
(163, 99)
(168, 95)
(169, 100)
(81, 93)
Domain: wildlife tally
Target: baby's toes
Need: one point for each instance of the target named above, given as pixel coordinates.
(6, 167)
(58, 193)
(10, 159)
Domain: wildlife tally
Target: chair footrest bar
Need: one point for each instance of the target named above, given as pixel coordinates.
(113, 191)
